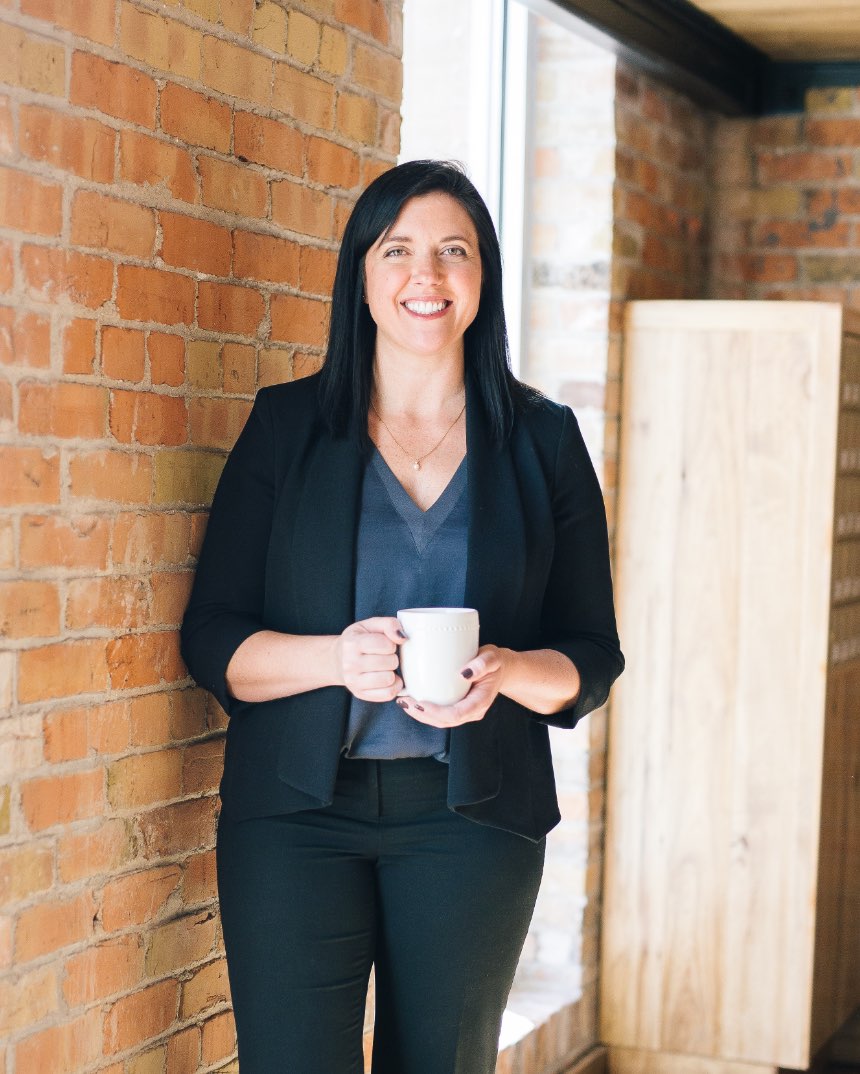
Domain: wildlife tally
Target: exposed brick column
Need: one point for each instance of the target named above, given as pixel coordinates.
(173, 183)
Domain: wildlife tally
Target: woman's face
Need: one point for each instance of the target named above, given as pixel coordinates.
(423, 278)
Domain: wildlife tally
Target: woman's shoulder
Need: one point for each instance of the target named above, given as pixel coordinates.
(293, 395)
(541, 415)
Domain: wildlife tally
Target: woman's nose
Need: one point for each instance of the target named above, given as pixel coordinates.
(426, 267)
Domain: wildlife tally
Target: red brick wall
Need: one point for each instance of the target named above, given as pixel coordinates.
(787, 203)
(173, 181)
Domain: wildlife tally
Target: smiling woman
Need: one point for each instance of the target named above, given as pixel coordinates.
(362, 826)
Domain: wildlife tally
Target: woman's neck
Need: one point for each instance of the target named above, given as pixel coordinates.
(416, 386)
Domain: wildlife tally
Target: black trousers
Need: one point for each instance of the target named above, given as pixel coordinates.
(389, 876)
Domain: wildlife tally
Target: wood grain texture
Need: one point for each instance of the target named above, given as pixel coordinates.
(636, 1061)
(717, 730)
(792, 29)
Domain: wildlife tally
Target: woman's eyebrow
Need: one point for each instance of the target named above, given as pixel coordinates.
(408, 238)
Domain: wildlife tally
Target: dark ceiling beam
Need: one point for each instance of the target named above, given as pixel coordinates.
(688, 49)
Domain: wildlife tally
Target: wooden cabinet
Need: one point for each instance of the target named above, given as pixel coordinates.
(731, 926)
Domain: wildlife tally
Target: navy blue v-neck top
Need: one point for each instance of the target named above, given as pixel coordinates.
(406, 558)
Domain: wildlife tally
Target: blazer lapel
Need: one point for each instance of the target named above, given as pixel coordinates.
(493, 579)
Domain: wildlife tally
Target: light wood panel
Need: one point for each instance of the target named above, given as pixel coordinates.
(793, 29)
(633, 1061)
(716, 886)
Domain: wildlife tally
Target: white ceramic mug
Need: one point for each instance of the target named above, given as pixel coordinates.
(440, 642)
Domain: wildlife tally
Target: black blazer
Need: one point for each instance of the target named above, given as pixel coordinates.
(279, 553)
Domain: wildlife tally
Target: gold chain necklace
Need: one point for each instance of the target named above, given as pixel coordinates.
(416, 463)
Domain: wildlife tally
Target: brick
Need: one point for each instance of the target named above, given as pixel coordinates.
(151, 540)
(191, 715)
(119, 602)
(27, 999)
(147, 161)
(101, 971)
(303, 38)
(123, 354)
(302, 209)
(71, 143)
(30, 476)
(72, 541)
(179, 828)
(65, 735)
(170, 593)
(266, 257)
(303, 97)
(239, 368)
(148, 418)
(140, 1016)
(317, 269)
(195, 244)
(61, 799)
(798, 233)
(56, 275)
(144, 660)
(25, 871)
(114, 89)
(7, 129)
(72, 1045)
(63, 410)
(219, 1038)
(140, 897)
(79, 346)
(832, 268)
(269, 26)
(160, 41)
(32, 62)
(148, 294)
(181, 943)
(145, 779)
(203, 364)
(265, 141)
(193, 118)
(233, 188)
(183, 1051)
(275, 366)
(778, 201)
(7, 410)
(369, 16)
(331, 164)
(829, 100)
(236, 71)
(50, 926)
(199, 882)
(203, 764)
(357, 117)
(107, 727)
(334, 50)
(186, 477)
(768, 268)
(8, 559)
(224, 307)
(237, 16)
(305, 365)
(111, 476)
(29, 609)
(299, 320)
(110, 223)
(7, 267)
(833, 132)
(378, 71)
(30, 204)
(91, 854)
(149, 1062)
(93, 20)
(207, 988)
(217, 422)
(25, 339)
(166, 358)
(802, 167)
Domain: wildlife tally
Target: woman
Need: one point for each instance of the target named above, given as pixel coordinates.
(360, 827)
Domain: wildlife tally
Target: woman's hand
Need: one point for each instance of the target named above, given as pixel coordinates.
(485, 671)
(367, 658)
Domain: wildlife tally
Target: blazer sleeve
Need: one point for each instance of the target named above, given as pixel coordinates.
(226, 603)
(578, 615)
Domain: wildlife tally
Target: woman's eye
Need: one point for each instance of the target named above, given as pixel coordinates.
(395, 251)
(454, 251)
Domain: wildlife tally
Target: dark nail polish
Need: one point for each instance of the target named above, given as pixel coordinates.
(400, 634)
(419, 708)
(403, 704)
(467, 674)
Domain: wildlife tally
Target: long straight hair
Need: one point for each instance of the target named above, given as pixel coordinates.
(347, 374)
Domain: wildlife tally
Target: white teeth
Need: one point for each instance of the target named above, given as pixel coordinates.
(425, 307)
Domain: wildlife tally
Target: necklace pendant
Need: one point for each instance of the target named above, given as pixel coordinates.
(416, 465)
